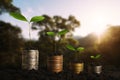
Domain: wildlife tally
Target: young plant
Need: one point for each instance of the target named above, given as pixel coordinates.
(95, 58)
(21, 17)
(76, 50)
(56, 35)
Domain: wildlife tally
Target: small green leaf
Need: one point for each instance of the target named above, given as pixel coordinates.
(97, 56)
(70, 47)
(80, 49)
(92, 57)
(63, 32)
(37, 18)
(50, 33)
(18, 16)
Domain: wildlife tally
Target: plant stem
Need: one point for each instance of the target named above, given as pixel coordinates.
(29, 31)
(76, 55)
(30, 35)
(55, 45)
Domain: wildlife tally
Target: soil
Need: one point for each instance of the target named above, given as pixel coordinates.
(43, 74)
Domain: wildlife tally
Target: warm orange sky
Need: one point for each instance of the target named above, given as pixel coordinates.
(94, 15)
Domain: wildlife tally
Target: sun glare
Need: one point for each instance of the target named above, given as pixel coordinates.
(99, 31)
(99, 25)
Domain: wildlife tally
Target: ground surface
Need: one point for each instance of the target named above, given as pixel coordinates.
(14, 74)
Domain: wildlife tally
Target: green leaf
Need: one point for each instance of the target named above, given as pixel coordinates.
(62, 32)
(80, 49)
(37, 18)
(50, 33)
(92, 57)
(97, 56)
(70, 47)
(18, 16)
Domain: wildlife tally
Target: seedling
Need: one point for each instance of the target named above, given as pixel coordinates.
(21, 17)
(76, 50)
(55, 35)
(95, 57)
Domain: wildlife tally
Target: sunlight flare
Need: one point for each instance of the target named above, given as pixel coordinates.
(99, 25)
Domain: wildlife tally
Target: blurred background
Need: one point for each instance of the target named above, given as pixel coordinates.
(92, 24)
